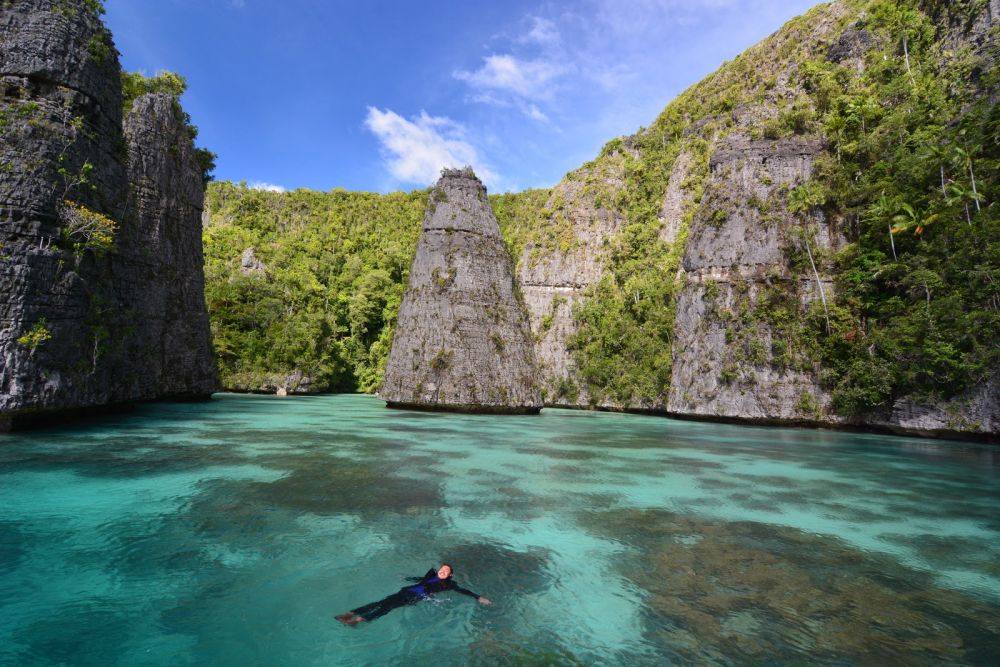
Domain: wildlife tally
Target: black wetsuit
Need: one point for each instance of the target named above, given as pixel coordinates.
(427, 585)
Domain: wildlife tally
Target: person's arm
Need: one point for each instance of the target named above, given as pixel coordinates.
(430, 573)
(466, 591)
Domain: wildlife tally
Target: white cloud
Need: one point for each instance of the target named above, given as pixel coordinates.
(505, 72)
(416, 150)
(543, 31)
(644, 17)
(267, 187)
(532, 111)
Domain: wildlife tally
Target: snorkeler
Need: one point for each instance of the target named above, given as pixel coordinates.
(435, 581)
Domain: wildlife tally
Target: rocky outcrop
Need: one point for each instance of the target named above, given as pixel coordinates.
(91, 295)
(974, 413)
(747, 279)
(851, 47)
(554, 275)
(729, 359)
(163, 252)
(462, 340)
(250, 265)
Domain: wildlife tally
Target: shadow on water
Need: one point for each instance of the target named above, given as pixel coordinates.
(77, 634)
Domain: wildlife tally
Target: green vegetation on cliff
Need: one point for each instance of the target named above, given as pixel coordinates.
(911, 140)
(905, 110)
(136, 84)
(623, 346)
(913, 168)
(324, 277)
(321, 287)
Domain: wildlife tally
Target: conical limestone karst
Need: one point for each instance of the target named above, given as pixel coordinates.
(462, 339)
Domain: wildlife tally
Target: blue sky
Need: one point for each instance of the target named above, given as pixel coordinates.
(379, 94)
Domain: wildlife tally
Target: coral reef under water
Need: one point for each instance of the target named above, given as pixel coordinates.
(736, 592)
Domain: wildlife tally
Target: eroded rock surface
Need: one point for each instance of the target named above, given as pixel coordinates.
(555, 277)
(729, 359)
(462, 339)
(166, 250)
(86, 324)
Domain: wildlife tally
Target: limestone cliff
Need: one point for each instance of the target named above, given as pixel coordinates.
(749, 251)
(557, 269)
(727, 362)
(165, 258)
(462, 340)
(100, 237)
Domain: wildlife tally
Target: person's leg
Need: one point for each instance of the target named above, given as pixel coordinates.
(373, 610)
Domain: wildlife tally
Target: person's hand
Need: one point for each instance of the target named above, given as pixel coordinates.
(484, 601)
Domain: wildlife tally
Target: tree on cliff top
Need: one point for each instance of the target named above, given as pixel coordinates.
(137, 84)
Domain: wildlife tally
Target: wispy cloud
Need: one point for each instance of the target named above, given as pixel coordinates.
(620, 55)
(542, 31)
(527, 76)
(648, 16)
(530, 79)
(267, 187)
(416, 150)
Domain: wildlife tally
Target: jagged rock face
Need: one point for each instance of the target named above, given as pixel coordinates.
(975, 411)
(850, 47)
(61, 110)
(77, 325)
(462, 340)
(249, 264)
(554, 280)
(731, 358)
(736, 250)
(164, 250)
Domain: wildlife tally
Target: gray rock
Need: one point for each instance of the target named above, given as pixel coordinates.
(164, 249)
(82, 328)
(723, 366)
(555, 278)
(250, 265)
(462, 340)
(851, 47)
(976, 412)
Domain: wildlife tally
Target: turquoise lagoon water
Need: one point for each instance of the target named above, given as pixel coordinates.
(232, 532)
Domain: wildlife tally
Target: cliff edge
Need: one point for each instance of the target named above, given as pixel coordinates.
(100, 262)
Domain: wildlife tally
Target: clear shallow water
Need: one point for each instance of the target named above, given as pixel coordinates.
(231, 533)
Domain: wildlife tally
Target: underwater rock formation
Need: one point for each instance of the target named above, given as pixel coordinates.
(101, 298)
(462, 338)
(742, 592)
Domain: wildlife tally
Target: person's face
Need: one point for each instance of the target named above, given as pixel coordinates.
(444, 572)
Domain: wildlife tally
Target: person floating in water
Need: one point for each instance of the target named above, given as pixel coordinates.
(435, 581)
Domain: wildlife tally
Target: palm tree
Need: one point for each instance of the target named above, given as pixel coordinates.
(964, 157)
(835, 125)
(910, 218)
(959, 195)
(907, 21)
(861, 108)
(802, 199)
(881, 210)
(939, 154)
